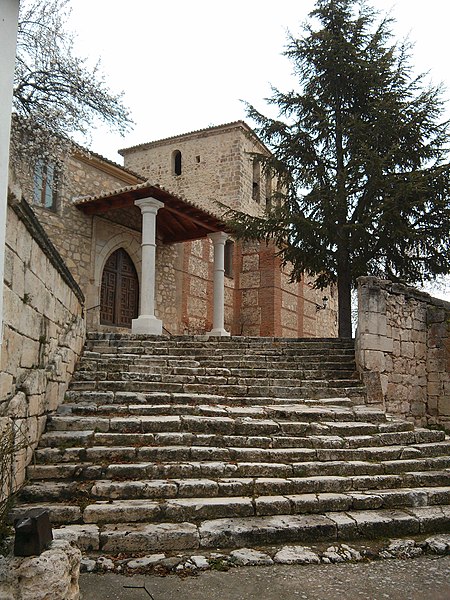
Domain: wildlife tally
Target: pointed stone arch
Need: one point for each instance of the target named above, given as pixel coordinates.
(107, 241)
(129, 243)
(119, 292)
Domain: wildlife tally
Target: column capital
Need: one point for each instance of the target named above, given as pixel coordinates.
(218, 237)
(149, 204)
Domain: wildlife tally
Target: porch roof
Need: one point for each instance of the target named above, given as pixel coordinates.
(178, 221)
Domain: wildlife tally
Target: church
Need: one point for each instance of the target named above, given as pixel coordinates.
(148, 246)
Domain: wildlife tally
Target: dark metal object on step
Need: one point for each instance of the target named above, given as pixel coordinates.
(33, 532)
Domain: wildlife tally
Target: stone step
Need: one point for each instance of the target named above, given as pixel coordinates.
(195, 510)
(289, 388)
(243, 366)
(62, 446)
(208, 425)
(275, 377)
(293, 412)
(247, 435)
(186, 342)
(96, 397)
(310, 475)
(222, 351)
(170, 444)
(317, 460)
(355, 393)
(257, 531)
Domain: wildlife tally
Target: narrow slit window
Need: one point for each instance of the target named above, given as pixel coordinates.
(228, 259)
(176, 163)
(256, 190)
(45, 185)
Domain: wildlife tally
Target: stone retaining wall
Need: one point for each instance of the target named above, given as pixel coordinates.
(403, 350)
(43, 330)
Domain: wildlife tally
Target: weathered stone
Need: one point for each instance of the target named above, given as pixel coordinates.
(296, 555)
(145, 561)
(87, 565)
(104, 563)
(86, 537)
(439, 544)
(120, 512)
(401, 549)
(247, 557)
(51, 576)
(200, 562)
(139, 538)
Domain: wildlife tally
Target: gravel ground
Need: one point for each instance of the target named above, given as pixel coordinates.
(424, 578)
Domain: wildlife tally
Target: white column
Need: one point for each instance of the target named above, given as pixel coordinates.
(218, 239)
(147, 322)
(9, 10)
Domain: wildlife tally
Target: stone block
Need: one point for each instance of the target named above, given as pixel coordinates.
(248, 556)
(443, 404)
(52, 575)
(6, 385)
(155, 537)
(407, 349)
(296, 555)
(86, 537)
(250, 262)
(374, 360)
(250, 280)
(371, 341)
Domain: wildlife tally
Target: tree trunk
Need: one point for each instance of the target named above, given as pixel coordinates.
(344, 280)
(344, 285)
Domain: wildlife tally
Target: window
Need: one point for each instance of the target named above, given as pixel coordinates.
(256, 191)
(228, 258)
(45, 185)
(268, 189)
(176, 162)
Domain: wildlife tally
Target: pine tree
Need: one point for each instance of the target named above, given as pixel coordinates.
(359, 150)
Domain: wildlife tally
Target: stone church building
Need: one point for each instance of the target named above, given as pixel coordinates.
(147, 244)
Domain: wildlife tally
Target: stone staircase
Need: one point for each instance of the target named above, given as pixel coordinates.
(185, 443)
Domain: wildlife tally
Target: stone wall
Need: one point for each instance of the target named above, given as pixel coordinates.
(43, 328)
(268, 304)
(403, 350)
(69, 229)
(217, 167)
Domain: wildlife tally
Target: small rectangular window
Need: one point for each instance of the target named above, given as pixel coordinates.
(228, 259)
(45, 185)
(256, 186)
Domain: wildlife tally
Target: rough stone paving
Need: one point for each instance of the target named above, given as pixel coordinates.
(186, 444)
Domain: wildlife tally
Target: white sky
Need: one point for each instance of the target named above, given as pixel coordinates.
(185, 64)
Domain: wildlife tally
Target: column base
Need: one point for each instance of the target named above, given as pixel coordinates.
(146, 325)
(218, 333)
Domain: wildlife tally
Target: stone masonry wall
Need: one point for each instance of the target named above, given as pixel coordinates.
(403, 350)
(43, 329)
(217, 167)
(70, 230)
(267, 303)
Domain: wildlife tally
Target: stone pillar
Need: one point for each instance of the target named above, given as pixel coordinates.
(218, 239)
(147, 322)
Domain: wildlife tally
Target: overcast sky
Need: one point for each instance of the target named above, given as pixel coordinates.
(186, 64)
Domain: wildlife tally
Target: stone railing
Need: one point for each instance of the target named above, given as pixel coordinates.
(43, 333)
(403, 350)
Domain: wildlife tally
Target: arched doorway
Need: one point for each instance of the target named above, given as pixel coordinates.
(119, 297)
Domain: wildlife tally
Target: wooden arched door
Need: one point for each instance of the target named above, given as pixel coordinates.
(119, 298)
